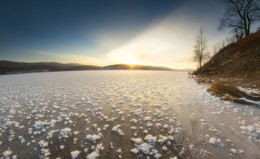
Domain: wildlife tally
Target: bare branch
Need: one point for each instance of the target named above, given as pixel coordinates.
(200, 55)
(240, 14)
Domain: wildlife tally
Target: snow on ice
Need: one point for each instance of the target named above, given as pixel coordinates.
(134, 114)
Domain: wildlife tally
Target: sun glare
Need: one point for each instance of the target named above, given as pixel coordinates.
(130, 61)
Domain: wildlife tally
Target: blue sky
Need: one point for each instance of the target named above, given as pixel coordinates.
(101, 32)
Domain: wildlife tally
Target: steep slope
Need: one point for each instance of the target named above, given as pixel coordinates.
(240, 60)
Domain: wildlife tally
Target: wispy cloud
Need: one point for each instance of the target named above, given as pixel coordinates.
(168, 42)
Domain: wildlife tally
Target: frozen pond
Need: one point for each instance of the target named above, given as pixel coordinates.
(121, 114)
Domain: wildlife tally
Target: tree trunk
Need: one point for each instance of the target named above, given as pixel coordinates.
(245, 26)
(200, 61)
(248, 26)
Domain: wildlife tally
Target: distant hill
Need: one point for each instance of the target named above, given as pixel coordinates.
(10, 67)
(240, 60)
(7, 67)
(135, 67)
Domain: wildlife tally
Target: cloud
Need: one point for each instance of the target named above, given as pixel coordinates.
(168, 42)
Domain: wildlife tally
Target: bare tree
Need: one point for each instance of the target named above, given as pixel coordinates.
(219, 46)
(239, 16)
(238, 33)
(201, 55)
(215, 50)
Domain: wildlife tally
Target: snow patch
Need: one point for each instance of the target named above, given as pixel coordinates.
(74, 154)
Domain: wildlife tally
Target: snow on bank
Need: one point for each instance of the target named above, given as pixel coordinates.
(250, 101)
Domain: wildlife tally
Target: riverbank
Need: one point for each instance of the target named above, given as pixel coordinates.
(234, 72)
(231, 89)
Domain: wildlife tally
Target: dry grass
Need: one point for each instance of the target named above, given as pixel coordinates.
(201, 79)
(229, 92)
(221, 89)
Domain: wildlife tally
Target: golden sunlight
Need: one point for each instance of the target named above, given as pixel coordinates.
(123, 55)
(129, 59)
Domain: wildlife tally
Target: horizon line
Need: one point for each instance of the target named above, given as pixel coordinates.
(96, 65)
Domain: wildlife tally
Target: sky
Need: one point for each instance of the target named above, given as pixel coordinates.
(104, 32)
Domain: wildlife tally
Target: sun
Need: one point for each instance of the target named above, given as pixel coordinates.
(123, 56)
(129, 59)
